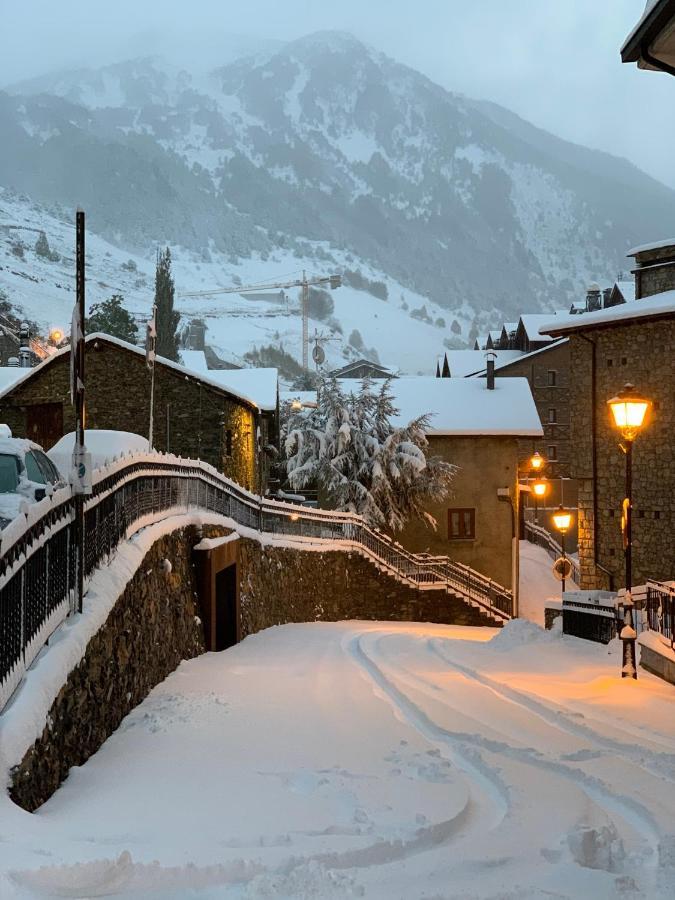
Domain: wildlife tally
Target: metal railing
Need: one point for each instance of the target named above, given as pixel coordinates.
(659, 607)
(38, 553)
(535, 534)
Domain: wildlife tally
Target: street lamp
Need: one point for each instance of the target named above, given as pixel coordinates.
(539, 489)
(628, 414)
(537, 461)
(562, 519)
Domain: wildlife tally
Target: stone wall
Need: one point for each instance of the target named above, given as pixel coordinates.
(151, 628)
(641, 353)
(655, 271)
(278, 586)
(192, 419)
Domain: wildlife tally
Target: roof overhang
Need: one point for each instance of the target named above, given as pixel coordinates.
(651, 44)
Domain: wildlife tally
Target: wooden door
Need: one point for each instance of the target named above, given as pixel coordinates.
(227, 626)
(44, 423)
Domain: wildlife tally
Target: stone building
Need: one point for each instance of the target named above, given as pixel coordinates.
(631, 343)
(195, 415)
(477, 429)
(654, 268)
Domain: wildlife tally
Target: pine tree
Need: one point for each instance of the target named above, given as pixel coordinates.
(167, 318)
(42, 246)
(349, 448)
(110, 317)
(438, 369)
(446, 367)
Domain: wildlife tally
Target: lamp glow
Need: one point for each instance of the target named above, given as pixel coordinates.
(629, 410)
(540, 487)
(536, 461)
(562, 519)
(296, 405)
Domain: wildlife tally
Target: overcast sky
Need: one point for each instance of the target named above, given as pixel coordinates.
(555, 62)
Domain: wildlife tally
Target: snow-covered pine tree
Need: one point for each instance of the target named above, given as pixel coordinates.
(167, 319)
(349, 448)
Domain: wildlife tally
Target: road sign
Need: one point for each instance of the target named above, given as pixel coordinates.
(562, 568)
(318, 355)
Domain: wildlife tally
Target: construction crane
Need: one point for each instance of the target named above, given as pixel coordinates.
(333, 281)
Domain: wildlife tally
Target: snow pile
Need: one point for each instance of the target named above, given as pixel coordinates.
(104, 446)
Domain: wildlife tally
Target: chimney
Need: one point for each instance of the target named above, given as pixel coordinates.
(491, 371)
(593, 297)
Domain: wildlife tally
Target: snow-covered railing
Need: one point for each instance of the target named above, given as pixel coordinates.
(540, 536)
(37, 550)
(659, 606)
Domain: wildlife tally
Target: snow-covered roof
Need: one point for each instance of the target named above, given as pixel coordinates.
(496, 334)
(508, 327)
(636, 35)
(466, 362)
(656, 305)
(519, 357)
(259, 383)
(532, 322)
(195, 360)
(9, 375)
(254, 382)
(655, 245)
(627, 289)
(465, 406)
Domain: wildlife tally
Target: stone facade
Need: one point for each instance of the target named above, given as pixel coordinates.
(192, 418)
(152, 627)
(547, 397)
(654, 271)
(640, 352)
(486, 463)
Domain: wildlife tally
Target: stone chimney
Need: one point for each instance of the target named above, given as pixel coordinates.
(490, 371)
(593, 297)
(654, 268)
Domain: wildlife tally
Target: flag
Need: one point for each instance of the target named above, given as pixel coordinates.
(150, 339)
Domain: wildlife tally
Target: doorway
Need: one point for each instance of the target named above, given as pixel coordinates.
(227, 625)
(44, 423)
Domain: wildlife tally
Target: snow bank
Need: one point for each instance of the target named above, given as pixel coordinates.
(103, 445)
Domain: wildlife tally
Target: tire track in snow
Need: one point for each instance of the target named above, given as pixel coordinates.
(633, 813)
(495, 803)
(661, 765)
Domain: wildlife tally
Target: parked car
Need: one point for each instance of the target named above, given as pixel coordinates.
(27, 475)
(102, 445)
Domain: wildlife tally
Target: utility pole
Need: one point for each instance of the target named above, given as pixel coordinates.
(81, 462)
(305, 322)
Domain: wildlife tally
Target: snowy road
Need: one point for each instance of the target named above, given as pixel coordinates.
(379, 760)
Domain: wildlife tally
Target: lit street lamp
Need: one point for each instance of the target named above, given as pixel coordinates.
(629, 412)
(539, 489)
(562, 520)
(537, 461)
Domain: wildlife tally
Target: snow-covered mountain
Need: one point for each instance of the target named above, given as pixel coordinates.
(395, 325)
(326, 153)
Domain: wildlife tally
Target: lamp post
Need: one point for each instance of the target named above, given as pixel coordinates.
(628, 413)
(537, 466)
(562, 519)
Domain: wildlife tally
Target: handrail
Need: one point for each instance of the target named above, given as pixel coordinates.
(542, 538)
(37, 561)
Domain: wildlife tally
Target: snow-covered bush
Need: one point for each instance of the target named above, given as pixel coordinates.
(350, 449)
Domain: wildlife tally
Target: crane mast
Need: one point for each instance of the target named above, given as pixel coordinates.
(304, 283)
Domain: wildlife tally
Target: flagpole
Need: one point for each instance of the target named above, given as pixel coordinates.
(150, 342)
(78, 386)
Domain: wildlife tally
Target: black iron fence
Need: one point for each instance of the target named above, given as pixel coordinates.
(659, 606)
(38, 555)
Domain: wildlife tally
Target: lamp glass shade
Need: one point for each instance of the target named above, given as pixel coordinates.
(296, 404)
(536, 461)
(540, 488)
(628, 410)
(562, 519)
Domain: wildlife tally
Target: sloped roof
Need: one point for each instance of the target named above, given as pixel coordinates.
(466, 362)
(531, 324)
(220, 385)
(648, 307)
(655, 245)
(464, 406)
(627, 289)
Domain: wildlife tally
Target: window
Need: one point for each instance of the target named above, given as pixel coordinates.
(47, 467)
(610, 363)
(657, 513)
(552, 416)
(624, 361)
(33, 470)
(9, 473)
(461, 524)
(228, 442)
(552, 378)
(552, 451)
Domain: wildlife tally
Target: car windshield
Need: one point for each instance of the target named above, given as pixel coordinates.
(9, 473)
(33, 469)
